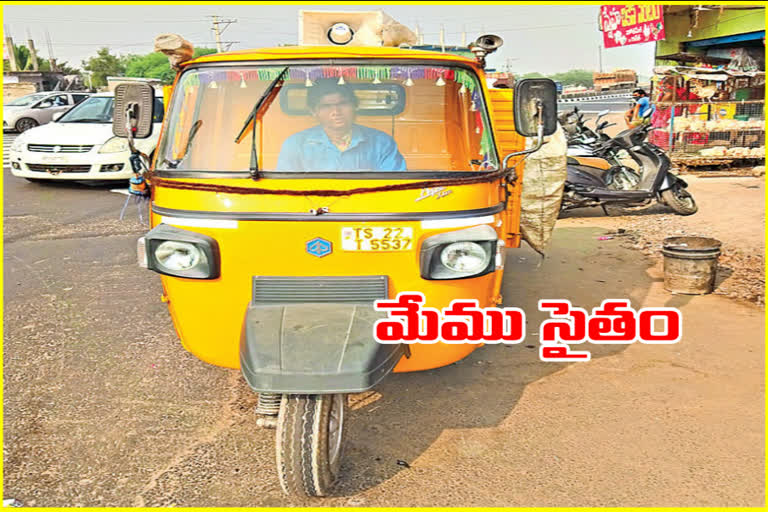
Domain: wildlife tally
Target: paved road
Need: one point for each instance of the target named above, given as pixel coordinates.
(8, 139)
(103, 407)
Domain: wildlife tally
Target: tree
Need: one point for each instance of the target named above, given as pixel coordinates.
(574, 77)
(24, 61)
(22, 58)
(65, 68)
(155, 65)
(104, 64)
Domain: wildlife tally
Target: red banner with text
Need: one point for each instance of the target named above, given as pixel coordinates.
(623, 25)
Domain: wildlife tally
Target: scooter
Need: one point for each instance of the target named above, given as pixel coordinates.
(600, 179)
(583, 141)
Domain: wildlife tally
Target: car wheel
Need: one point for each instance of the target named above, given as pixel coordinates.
(25, 123)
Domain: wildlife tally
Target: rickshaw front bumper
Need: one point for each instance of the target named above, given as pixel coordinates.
(314, 348)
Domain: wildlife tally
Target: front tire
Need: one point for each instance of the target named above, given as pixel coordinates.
(25, 123)
(680, 200)
(309, 443)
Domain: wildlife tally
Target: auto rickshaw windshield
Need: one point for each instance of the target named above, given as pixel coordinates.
(330, 118)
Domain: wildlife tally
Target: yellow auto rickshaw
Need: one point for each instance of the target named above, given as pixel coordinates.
(294, 186)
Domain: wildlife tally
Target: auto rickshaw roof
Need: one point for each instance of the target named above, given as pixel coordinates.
(330, 52)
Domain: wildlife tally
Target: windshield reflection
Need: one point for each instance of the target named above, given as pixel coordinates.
(330, 118)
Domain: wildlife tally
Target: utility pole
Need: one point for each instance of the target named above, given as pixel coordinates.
(217, 30)
(32, 52)
(442, 38)
(51, 57)
(11, 50)
(463, 36)
(600, 56)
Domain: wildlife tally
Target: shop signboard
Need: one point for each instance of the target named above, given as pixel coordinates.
(623, 25)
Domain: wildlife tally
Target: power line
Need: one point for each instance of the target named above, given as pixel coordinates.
(519, 29)
(217, 30)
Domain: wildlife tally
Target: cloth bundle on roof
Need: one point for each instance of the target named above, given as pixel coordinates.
(178, 49)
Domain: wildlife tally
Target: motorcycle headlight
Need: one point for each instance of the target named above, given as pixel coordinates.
(177, 252)
(458, 254)
(115, 145)
(18, 144)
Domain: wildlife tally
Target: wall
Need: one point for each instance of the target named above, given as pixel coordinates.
(13, 91)
(677, 22)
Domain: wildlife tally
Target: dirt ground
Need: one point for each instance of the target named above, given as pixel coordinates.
(731, 210)
(103, 407)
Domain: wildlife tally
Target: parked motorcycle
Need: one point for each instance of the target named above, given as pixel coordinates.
(583, 141)
(599, 177)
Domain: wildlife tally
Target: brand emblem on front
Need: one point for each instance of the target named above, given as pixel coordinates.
(319, 247)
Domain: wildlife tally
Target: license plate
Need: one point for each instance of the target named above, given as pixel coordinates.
(54, 159)
(376, 239)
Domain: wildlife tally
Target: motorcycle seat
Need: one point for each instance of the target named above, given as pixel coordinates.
(598, 163)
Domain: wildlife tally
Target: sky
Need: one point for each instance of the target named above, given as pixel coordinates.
(543, 38)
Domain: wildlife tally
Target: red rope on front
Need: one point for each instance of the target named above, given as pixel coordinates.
(224, 189)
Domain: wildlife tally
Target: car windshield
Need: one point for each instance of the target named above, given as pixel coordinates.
(330, 118)
(98, 109)
(27, 100)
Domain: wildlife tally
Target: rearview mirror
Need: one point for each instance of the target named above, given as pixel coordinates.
(134, 108)
(535, 101)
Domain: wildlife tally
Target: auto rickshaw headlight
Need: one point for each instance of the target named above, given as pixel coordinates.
(179, 256)
(459, 254)
(177, 252)
(464, 257)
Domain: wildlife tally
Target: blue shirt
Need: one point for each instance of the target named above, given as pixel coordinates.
(312, 150)
(645, 104)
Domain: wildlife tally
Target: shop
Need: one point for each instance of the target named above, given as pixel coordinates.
(708, 86)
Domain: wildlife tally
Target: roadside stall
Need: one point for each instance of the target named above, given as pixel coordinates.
(707, 116)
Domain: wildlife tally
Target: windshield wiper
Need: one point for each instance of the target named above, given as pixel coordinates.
(173, 164)
(86, 120)
(262, 103)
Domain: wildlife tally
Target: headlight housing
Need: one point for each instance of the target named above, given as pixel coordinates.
(464, 257)
(459, 254)
(176, 252)
(18, 144)
(115, 145)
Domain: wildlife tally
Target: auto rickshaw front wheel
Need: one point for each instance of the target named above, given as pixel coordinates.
(309, 443)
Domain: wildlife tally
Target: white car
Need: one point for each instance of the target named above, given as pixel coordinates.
(80, 145)
(39, 108)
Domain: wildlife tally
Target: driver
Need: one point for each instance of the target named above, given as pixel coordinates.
(337, 143)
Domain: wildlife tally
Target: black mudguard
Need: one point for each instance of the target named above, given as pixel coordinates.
(314, 348)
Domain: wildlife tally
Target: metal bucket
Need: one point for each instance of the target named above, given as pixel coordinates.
(690, 264)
